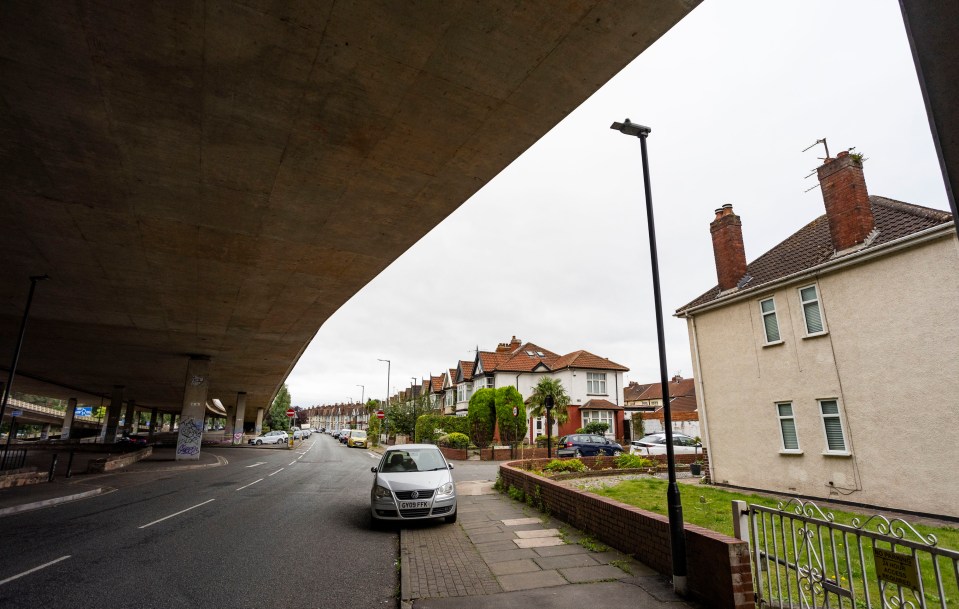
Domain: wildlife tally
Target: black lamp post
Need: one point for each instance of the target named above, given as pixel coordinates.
(673, 501)
(16, 352)
(386, 403)
(548, 404)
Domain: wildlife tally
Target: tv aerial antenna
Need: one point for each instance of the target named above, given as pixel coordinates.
(813, 172)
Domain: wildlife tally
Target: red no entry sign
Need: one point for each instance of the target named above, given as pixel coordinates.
(380, 414)
(290, 412)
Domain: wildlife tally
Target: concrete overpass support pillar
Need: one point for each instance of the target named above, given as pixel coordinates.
(228, 424)
(128, 426)
(113, 415)
(194, 409)
(259, 421)
(45, 432)
(240, 415)
(153, 422)
(68, 418)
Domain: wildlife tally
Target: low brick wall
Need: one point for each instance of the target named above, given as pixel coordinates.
(718, 570)
(22, 477)
(113, 462)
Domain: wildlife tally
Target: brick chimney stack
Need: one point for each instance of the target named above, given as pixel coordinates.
(728, 249)
(847, 202)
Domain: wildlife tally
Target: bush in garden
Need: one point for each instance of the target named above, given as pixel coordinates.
(482, 416)
(627, 461)
(564, 465)
(457, 440)
(511, 429)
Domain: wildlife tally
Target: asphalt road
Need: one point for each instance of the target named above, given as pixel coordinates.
(272, 528)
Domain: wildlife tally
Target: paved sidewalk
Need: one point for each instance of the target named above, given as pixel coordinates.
(502, 553)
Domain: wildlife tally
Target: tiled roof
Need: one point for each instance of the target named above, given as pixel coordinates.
(811, 245)
(585, 359)
(467, 368)
(632, 391)
(595, 404)
(522, 361)
(491, 361)
(676, 389)
(683, 403)
(436, 383)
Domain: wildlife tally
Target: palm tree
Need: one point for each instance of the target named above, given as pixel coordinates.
(549, 386)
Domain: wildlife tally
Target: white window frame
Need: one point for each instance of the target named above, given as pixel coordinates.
(763, 314)
(600, 416)
(596, 383)
(450, 397)
(814, 301)
(842, 427)
(782, 434)
(464, 391)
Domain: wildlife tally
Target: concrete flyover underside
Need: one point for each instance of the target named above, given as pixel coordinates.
(217, 178)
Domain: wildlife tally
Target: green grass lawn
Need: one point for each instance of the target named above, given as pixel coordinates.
(711, 508)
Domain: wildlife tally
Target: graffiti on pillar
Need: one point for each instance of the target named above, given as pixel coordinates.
(238, 437)
(191, 434)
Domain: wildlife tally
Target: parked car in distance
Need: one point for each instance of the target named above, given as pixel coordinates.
(270, 437)
(298, 434)
(133, 439)
(358, 439)
(655, 444)
(587, 445)
(336, 433)
(413, 482)
(345, 436)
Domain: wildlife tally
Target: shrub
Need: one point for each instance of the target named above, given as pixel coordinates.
(564, 465)
(428, 427)
(516, 494)
(482, 416)
(457, 440)
(627, 461)
(596, 428)
(541, 441)
(511, 429)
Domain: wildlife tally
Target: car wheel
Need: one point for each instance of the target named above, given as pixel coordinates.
(451, 518)
(577, 454)
(258, 442)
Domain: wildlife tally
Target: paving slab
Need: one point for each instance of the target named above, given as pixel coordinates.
(512, 567)
(561, 550)
(533, 579)
(566, 562)
(578, 575)
(514, 522)
(610, 594)
(489, 537)
(496, 546)
(535, 533)
(539, 542)
(504, 555)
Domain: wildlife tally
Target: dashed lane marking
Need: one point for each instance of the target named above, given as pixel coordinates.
(29, 571)
(276, 472)
(150, 524)
(250, 484)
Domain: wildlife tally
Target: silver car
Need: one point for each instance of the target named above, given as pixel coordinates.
(413, 482)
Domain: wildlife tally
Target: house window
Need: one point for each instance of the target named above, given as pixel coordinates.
(810, 310)
(599, 416)
(539, 426)
(449, 397)
(832, 425)
(787, 426)
(596, 383)
(464, 391)
(486, 382)
(770, 323)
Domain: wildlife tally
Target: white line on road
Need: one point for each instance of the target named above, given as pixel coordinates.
(292, 462)
(277, 471)
(300, 457)
(28, 572)
(255, 464)
(250, 484)
(150, 524)
(373, 455)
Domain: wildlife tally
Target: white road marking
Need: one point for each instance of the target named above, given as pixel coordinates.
(250, 484)
(259, 463)
(373, 455)
(300, 457)
(29, 571)
(277, 471)
(150, 524)
(292, 462)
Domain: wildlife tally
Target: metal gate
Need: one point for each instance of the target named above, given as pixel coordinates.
(802, 557)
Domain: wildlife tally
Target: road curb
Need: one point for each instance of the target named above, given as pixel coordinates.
(405, 601)
(16, 509)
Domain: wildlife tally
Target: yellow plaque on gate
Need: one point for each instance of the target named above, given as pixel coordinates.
(896, 568)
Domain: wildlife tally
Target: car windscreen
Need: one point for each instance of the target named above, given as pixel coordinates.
(412, 460)
(358, 434)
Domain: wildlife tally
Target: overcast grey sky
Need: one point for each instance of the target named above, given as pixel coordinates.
(554, 250)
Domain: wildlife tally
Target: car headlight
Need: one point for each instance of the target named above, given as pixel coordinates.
(381, 492)
(445, 490)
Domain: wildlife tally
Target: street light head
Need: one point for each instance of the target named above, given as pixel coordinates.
(548, 402)
(631, 129)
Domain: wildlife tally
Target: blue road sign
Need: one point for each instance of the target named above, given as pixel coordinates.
(83, 411)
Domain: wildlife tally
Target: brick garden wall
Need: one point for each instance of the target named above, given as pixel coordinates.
(718, 570)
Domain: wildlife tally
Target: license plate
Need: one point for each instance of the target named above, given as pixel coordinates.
(412, 505)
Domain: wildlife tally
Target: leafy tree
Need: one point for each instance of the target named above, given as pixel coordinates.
(276, 417)
(401, 418)
(511, 429)
(549, 386)
(482, 416)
